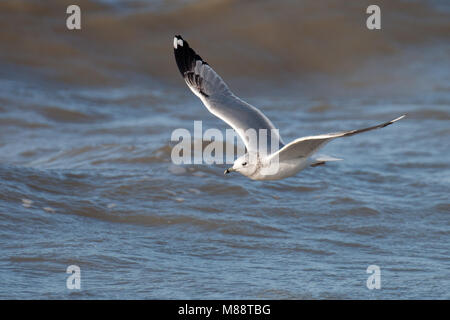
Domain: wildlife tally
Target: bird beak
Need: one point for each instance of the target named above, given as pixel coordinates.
(228, 171)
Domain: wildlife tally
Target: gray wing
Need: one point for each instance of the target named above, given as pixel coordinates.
(306, 146)
(219, 100)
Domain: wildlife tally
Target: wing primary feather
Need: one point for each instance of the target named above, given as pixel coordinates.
(187, 60)
(382, 125)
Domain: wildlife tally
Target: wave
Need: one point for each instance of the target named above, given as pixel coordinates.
(270, 38)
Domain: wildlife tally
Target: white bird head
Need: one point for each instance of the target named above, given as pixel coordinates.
(245, 165)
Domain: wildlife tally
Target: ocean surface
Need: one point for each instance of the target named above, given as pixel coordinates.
(86, 176)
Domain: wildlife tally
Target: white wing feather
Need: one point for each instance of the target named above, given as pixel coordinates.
(307, 146)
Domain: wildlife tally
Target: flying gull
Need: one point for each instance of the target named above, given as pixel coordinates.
(288, 159)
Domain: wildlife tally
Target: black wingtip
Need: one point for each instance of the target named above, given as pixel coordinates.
(185, 57)
(178, 41)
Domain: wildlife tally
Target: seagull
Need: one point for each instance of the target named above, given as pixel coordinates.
(288, 159)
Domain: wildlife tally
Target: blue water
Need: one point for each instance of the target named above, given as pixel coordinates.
(86, 179)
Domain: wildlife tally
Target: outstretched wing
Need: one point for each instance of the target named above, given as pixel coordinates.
(306, 146)
(219, 100)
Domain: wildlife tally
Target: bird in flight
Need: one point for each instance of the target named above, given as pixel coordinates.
(288, 159)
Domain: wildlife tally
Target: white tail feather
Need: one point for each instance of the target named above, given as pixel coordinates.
(324, 158)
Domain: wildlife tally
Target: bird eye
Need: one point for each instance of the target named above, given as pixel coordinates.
(244, 164)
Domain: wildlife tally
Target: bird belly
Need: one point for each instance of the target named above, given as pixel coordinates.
(285, 169)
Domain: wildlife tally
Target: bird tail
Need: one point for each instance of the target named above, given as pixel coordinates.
(322, 159)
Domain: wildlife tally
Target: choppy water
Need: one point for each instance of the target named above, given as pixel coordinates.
(86, 177)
